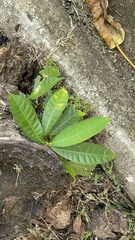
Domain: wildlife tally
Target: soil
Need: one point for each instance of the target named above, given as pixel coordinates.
(91, 208)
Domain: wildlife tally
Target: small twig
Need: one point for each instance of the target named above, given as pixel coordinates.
(124, 55)
(18, 169)
(49, 228)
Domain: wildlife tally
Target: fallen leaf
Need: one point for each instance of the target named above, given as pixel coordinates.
(59, 215)
(78, 228)
(77, 225)
(104, 5)
(125, 238)
(110, 30)
(108, 225)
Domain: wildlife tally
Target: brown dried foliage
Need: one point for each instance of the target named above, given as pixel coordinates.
(110, 30)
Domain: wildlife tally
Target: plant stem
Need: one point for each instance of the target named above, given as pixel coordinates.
(124, 55)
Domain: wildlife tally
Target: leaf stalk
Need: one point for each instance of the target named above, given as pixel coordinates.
(125, 56)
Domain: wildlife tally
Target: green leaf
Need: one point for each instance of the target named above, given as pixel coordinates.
(36, 88)
(69, 117)
(43, 87)
(78, 169)
(68, 168)
(53, 109)
(36, 82)
(80, 132)
(22, 94)
(25, 115)
(50, 71)
(82, 169)
(86, 153)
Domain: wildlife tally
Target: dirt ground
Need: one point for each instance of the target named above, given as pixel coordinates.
(91, 208)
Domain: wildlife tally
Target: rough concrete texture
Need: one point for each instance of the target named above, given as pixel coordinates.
(44, 22)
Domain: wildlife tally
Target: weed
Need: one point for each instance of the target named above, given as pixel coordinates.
(108, 168)
(97, 178)
(87, 235)
(131, 229)
(79, 104)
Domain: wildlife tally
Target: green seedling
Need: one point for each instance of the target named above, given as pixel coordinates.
(131, 230)
(87, 235)
(61, 127)
(108, 168)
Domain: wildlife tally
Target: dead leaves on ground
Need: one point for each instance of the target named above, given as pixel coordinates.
(59, 215)
(108, 225)
(110, 30)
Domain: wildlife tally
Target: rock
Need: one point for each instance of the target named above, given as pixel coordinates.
(27, 167)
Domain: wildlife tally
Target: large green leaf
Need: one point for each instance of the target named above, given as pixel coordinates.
(78, 169)
(69, 117)
(86, 153)
(25, 115)
(43, 87)
(53, 109)
(80, 132)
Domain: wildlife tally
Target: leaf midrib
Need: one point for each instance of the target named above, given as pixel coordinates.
(85, 153)
(28, 122)
(69, 137)
(64, 123)
(50, 119)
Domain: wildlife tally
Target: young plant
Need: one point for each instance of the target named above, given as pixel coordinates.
(62, 127)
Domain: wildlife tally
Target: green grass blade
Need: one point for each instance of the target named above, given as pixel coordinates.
(80, 132)
(53, 109)
(43, 87)
(25, 116)
(86, 153)
(69, 117)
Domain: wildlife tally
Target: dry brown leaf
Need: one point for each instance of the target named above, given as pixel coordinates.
(104, 5)
(77, 225)
(110, 30)
(59, 215)
(108, 225)
(125, 238)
